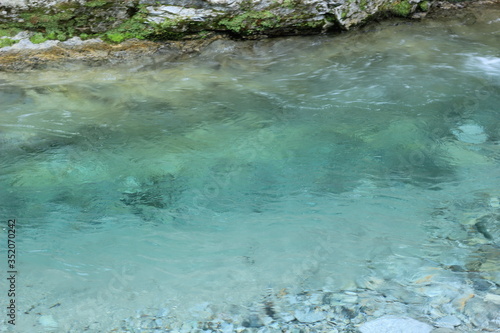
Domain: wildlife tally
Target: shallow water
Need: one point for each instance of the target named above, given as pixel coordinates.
(298, 163)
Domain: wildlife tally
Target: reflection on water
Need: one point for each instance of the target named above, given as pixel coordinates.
(292, 163)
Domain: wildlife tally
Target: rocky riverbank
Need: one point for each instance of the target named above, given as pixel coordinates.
(35, 34)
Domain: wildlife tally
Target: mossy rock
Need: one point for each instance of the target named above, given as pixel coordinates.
(7, 42)
(250, 22)
(9, 32)
(401, 8)
(424, 6)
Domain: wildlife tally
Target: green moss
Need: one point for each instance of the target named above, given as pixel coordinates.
(58, 25)
(135, 27)
(61, 36)
(401, 8)
(314, 25)
(45, 21)
(64, 20)
(115, 37)
(290, 4)
(70, 5)
(97, 3)
(331, 18)
(168, 24)
(50, 35)
(424, 6)
(9, 32)
(204, 34)
(168, 29)
(38, 38)
(363, 4)
(250, 22)
(7, 42)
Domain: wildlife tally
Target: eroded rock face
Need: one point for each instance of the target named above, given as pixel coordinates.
(65, 19)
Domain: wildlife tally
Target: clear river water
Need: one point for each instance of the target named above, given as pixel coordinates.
(302, 163)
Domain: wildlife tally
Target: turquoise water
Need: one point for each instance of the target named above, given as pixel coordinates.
(298, 163)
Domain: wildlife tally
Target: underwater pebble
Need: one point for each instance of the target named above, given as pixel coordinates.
(252, 321)
(492, 298)
(483, 285)
(202, 310)
(494, 202)
(470, 133)
(48, 321)
(448, 322)
(227, 328)
(443, 330)
(286, 317)
(162, 312)
(391, 324)
(307, 316)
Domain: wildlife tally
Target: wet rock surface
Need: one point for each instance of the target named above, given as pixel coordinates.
(50, 54)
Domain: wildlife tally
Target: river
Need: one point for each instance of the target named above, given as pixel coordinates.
(340, 164)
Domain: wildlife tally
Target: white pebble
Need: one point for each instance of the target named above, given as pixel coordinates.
(492, 298)
(48, 321)
(448, 322)
(470, 133)
(309, 316)
(391, 324)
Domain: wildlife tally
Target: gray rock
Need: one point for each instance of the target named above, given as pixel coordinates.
(448, 322)
(489, 226)
(75, 41)
(162, 312)
(48, 322)
(470, 133)
(252, 321)
(308, 316)
(26, 44)
(159, 14)
(482, 285)
(22, 35)
(443, 330)
(392, 324)
(493, 298)
(287, 317)
(227, 328)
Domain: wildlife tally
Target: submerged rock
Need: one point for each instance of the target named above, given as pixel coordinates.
(48, 322)
(470, 133)
(448, 322)
(489, 226)
(308, 316)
